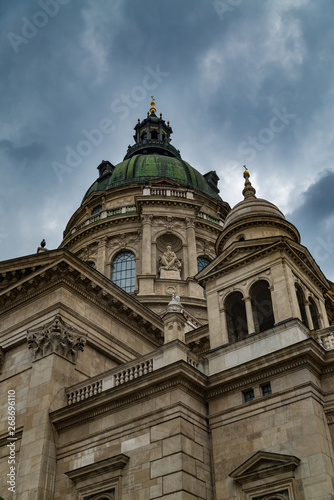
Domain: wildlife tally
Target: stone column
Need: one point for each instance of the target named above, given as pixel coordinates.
(55, 347)
(249, 315)
(147, 244)
(192, 252)
(223, 324)
(308, 315)
(101, 255)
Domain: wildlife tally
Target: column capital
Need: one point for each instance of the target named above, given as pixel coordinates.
(56, 337)
(147, 218)
(190, 222)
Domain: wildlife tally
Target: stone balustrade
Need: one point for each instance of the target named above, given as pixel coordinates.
(84, 392)
(167, 191)
(104, 214)
(131, 371)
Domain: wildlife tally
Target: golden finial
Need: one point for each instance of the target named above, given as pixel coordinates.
(152, 110)
(248, 190)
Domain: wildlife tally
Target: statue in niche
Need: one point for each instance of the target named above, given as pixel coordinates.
(168, 261)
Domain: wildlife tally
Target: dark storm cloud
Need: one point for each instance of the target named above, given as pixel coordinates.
(315, 220)
(225, 77)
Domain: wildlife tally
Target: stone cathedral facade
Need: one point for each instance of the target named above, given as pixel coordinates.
(170, 348)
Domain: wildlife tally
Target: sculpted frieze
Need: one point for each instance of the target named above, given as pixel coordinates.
(205, 247)
(168, 223)
(124, 240)
(56, 337)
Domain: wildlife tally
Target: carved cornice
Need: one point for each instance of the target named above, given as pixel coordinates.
(56, 337)
(70, 240)
(97, 289)
(2, 358)
(97, 468)
(281, 244)
(238, 382)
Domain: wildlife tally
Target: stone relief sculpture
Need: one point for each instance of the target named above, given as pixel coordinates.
(169, 261)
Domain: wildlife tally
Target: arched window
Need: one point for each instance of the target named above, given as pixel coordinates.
(154, 134)
(202, 262)
(314, 314)
(236, 319)
(91, 264)
(262, 306)
(124, 271)
(301, 302)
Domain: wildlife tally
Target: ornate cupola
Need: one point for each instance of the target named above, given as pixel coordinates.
(152, 135)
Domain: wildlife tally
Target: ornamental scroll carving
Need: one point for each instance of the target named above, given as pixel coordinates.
(56, 337)
(205, 247)
(124, 240)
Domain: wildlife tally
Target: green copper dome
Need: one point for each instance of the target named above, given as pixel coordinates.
(143, 168)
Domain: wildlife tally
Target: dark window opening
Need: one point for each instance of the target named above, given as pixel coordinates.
(266, 389)
(236, 319)
(314, 314)
(96, 209)
(301, 303)
(248, 395)
(262, 306)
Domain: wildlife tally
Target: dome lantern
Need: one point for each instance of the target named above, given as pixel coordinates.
(152, 135)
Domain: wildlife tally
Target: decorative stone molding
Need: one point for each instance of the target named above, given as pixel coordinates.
(124, 240)
(56, 337)
(264, 464)
(206, 248)
(2, 358)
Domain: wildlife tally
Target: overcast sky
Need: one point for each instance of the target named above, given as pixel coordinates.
(241, 81)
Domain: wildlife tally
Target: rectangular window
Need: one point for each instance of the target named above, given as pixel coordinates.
(248, 395)
(280, 495)
(266, 389)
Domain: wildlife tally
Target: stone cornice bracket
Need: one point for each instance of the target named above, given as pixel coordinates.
(56, 337)
(2, 358)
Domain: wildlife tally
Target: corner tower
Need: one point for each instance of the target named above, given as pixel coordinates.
(150, 222)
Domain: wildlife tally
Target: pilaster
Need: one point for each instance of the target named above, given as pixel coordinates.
(147, 244)
(55, 347)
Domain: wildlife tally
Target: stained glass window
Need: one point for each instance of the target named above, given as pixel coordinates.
(124, 271)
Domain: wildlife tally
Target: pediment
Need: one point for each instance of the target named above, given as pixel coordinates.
(241, 253)
(263, 464)
(164, 181)
(13, 271)
(57, 268)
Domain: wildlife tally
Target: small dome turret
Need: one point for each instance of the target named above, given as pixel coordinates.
(255, 215)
